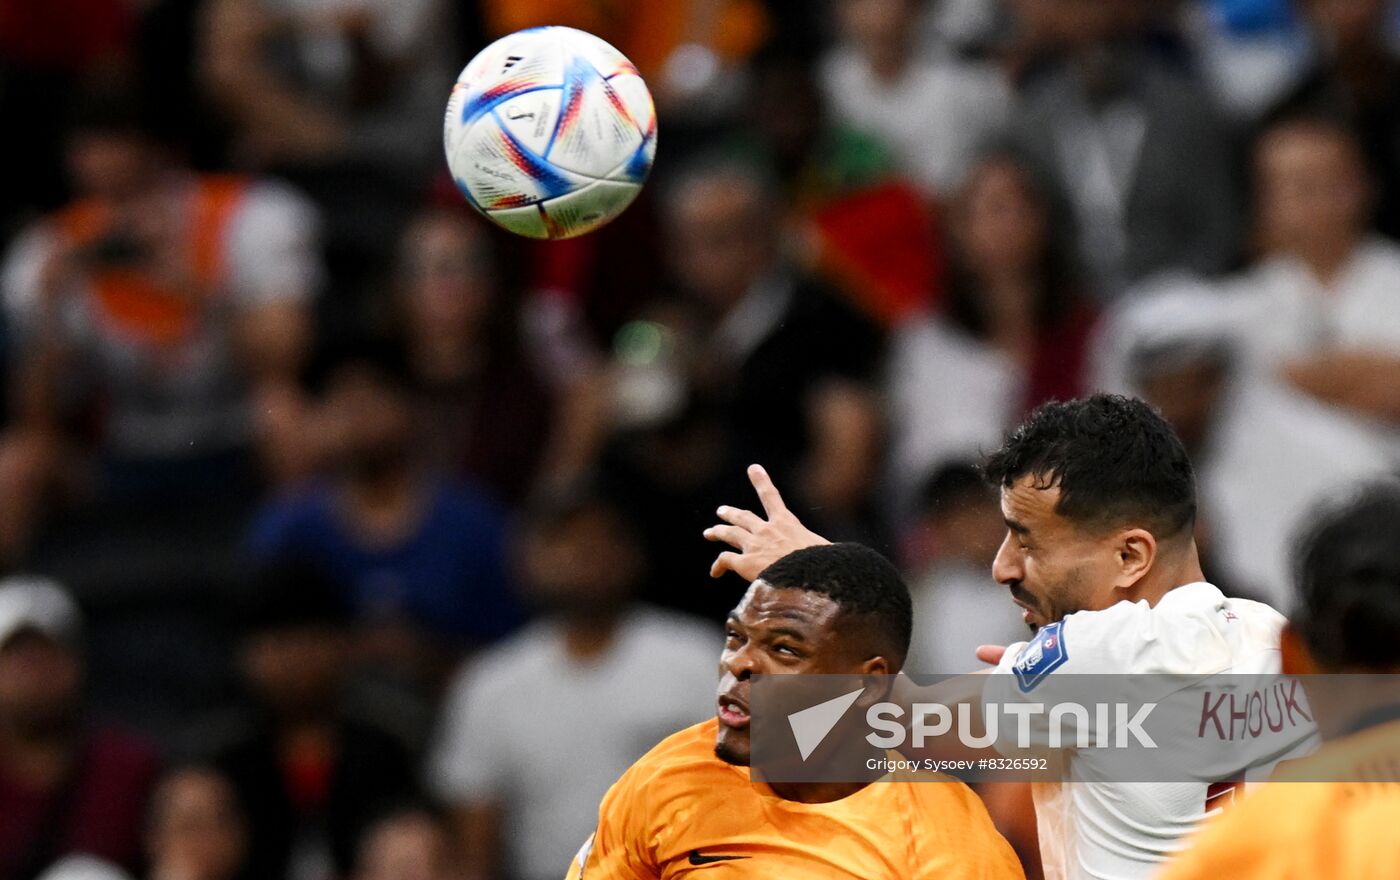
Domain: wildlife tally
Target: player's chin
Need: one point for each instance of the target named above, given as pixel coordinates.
(732, 746)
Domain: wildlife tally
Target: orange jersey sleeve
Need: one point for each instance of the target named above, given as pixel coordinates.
(681, 812)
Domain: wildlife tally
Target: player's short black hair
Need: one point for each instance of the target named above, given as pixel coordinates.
(1348, 582)
(1115, 459)
(859, 580)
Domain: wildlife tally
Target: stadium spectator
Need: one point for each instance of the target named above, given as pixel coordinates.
(1319, 308)
(1264, 457)
(68, 784)
(1012, 333)
(1355, 75)
(537, 728)
(310, 776)
(196, 829)
(745, 333)
(1131, 147)
(934, 112)
(410, 550)
(407, 844)
(867, 230)
(149, 314)
(950, 543)
(341, 97)
(1342, 630)
(763, 334)
(487, 414)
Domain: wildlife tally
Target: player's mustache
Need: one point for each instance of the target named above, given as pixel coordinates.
(1023, 595)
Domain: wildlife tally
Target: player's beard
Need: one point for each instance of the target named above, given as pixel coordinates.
(1064, 598)
(1069, 596)
(727, 753)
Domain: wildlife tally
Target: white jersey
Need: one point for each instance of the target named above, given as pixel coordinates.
(1097, 829)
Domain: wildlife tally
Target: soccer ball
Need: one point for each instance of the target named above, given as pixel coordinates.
(550, 132)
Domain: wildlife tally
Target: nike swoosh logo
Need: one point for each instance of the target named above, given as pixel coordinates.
(697, 859)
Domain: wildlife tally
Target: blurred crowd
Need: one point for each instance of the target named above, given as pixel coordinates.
(347, 537)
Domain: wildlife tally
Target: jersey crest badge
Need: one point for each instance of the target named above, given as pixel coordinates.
(1040, 657)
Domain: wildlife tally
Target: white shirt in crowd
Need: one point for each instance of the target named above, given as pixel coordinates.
(1282, 311)
(935, 118)
(1091, 828)
(946, 597)
(544, 735)
(1273, 454)
(950, 399)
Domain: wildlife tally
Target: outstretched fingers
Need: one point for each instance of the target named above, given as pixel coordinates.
(737, 516)
(767, 492)
(726, 561)
(734, 536)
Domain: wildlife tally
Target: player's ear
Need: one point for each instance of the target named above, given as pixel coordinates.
(1297, 659)
(1135, 553)
(879, 678)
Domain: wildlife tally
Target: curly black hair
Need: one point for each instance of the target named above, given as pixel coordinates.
(1115, 460)
(859, 580)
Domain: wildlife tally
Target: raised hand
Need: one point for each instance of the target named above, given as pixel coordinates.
(760, 542)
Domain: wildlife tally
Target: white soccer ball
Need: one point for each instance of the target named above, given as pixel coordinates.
(550, 132)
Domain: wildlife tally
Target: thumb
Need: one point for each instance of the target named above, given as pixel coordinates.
(991, 654)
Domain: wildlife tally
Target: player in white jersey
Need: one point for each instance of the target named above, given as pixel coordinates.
(1100, 501)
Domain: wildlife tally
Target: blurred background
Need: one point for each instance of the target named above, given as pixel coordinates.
(349, 537)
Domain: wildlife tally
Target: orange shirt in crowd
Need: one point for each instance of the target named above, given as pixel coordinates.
(680, 812)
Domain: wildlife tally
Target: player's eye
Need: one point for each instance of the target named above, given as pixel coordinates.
(788, 650)
(732, 637)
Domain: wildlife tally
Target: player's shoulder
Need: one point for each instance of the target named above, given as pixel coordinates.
(681, 766)
(687, 748)
(1192, 629)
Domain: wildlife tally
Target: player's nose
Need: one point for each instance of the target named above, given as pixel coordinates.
(1006, 567)
(739, 663)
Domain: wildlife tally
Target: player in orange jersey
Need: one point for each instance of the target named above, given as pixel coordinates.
(1334, 813)
(688, 808)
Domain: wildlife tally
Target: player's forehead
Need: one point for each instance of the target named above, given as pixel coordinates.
(766, 605)
(1030, 502)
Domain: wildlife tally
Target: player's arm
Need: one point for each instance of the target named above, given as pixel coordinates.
(1362, 381)
(951, 692)
(760, 542)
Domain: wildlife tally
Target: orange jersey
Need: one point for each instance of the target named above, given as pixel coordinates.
(1304, 829)
(682, 812)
